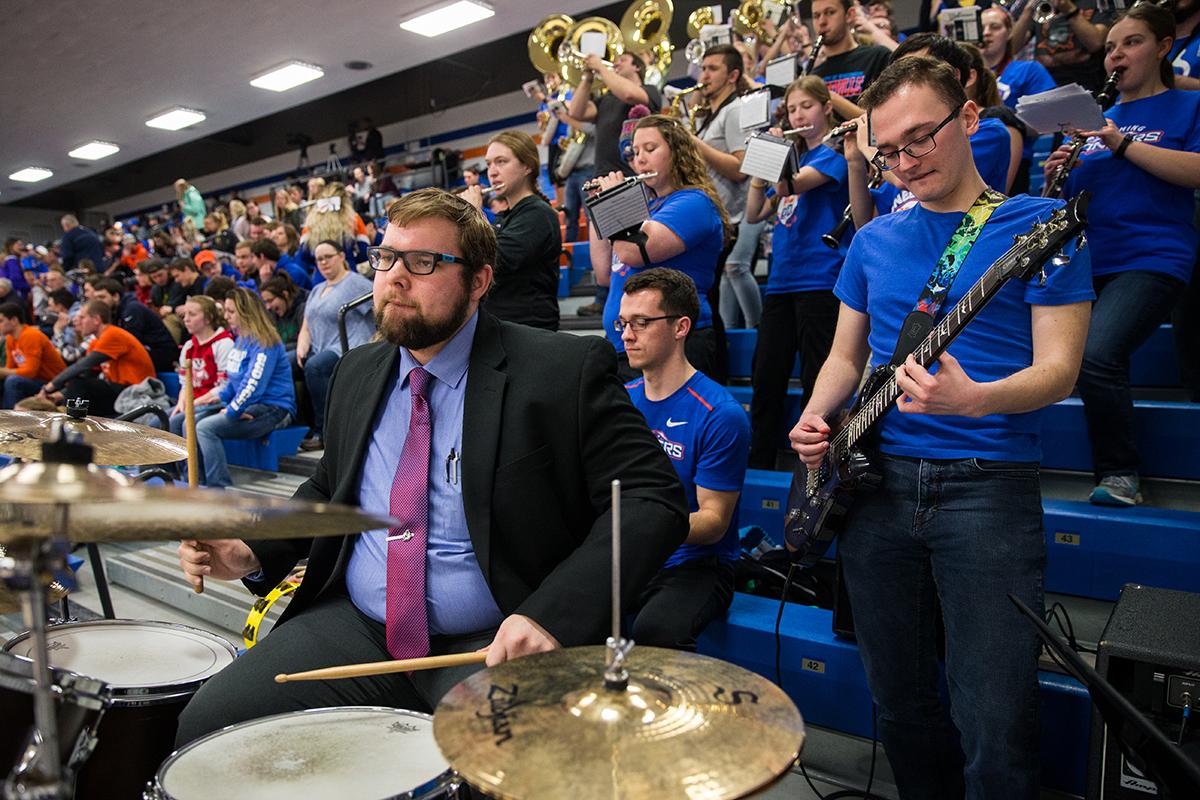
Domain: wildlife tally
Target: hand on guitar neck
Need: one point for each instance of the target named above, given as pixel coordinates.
(948, 391)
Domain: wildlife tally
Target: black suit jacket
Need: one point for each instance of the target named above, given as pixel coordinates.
(547, 426)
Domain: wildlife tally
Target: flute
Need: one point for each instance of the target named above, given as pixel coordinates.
(594, 183)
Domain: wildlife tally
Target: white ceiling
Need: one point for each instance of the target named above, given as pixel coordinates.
(73, 72)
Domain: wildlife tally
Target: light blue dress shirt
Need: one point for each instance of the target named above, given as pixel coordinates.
(457, 598)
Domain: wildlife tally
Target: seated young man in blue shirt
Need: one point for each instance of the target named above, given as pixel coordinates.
(706, 434)
(957, 519)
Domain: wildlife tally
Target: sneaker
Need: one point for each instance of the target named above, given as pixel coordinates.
(1117, 490)
(590, 310)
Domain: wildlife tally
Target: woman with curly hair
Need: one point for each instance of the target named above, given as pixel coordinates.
(687, 231)
(331, 217)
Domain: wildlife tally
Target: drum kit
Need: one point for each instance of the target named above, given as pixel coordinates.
(91, 708)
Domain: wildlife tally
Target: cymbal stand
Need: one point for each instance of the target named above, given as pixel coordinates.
(616, 678)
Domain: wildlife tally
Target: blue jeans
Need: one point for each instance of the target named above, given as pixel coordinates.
(17, 389)
(318, 369)
(1129, 308)
(962, 534)
(741, 300)
(217, 426)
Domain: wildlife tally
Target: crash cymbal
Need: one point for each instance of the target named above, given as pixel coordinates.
(116, 443)
(104, 506)
(686, 726)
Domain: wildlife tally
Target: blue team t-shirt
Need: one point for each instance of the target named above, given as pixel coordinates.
(800, 262)
(692, 216)
(1135, 220)
(706, 434)
(1185, 55)
(1020, 78)
(989, 148)
(890, 260)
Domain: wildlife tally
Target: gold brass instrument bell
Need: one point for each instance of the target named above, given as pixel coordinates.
(644, 28)
(544, 41)
(571, 56)
(748, 21)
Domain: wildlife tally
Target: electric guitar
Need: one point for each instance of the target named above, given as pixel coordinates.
(819, 499)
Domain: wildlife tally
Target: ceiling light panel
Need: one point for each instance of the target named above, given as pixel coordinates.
(447, 18)
(176, 119)
(93, 151)
(288, 76)
(31, 174)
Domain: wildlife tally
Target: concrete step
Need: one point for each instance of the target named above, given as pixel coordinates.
(154, 572)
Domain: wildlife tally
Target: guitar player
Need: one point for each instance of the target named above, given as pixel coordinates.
(957, 518)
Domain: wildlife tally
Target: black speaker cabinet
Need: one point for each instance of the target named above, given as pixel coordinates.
(1150, 653)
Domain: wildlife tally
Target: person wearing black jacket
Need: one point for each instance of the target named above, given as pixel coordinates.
(528, 235)
(519, 526)
(78, 243)
(146, 326)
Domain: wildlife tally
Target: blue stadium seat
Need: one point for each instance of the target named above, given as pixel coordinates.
(1168, 438)
(824, 677)
(791, 409)
(264, 454)
(170, 382)
(741, 342)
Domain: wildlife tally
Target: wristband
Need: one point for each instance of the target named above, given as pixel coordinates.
(1122, 147)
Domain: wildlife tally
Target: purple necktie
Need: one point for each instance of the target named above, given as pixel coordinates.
(407, 620)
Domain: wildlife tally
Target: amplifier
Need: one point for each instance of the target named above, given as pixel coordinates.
(1150, 653)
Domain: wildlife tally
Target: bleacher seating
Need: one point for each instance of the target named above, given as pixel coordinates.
(1168, 438)
(824, 676)
(265, 453)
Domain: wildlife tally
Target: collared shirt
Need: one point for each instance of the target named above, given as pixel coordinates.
(457, 598)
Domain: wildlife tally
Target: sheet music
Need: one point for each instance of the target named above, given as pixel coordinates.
(593, 43)
(618, 208)
(755, 110)
(766, 156)
(782, 71)
(1064, 108)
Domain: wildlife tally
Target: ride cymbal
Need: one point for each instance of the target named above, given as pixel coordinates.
(116, 443)
(687, 726)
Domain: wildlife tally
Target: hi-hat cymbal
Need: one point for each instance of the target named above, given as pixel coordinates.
(104, 506)
(116, 443)
(687, 726)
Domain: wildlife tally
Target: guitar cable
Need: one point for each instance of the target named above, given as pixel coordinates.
(848, 794)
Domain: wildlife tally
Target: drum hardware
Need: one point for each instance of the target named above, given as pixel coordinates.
(594, 183)
(651, 713)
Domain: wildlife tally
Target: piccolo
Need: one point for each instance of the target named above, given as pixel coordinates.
(594, 183)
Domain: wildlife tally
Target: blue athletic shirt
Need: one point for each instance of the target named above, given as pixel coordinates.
(692, 216)
(800, 262)
(890, 260)
(258, 374)
(1135, 220)
(1185, 55)
(989, 148)
(706, 434)
(1020, 78)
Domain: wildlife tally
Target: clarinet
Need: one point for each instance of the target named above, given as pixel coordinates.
(1105, 97)
(812, 56)
(833, 239)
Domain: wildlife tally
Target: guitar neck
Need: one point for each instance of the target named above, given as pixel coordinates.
(950, 326)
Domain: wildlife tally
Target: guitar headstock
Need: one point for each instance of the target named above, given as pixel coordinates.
(1031, 250)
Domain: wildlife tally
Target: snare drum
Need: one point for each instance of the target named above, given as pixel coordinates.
(152, 669)
(349, 753)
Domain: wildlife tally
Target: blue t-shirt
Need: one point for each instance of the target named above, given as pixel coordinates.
(706, 434)
(1185, 55)
(692, 216)
(800, 262)
(890, 260)
(297, 273)
(1135, 220)
(989, 148)
(1020, 78)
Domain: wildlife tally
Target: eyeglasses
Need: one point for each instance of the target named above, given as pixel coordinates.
(639, 324)
(418, 262)
(917, 148)
(330, 257)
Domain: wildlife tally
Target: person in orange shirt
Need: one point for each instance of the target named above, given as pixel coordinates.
(121, 359)
(31, 359)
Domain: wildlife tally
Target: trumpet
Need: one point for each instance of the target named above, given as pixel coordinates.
(594, 183)
(1105, 97)
(812, 55)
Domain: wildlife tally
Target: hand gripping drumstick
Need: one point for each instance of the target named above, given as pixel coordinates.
(384, 667)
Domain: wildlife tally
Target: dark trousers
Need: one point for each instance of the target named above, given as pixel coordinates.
(1129, 308)
(796, 322)
(1185, 321)
(331, 633)
(959, 536)
(100, 394)
(679, 602)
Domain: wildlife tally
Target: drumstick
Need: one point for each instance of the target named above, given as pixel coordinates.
(189, 430)
(384, 667)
